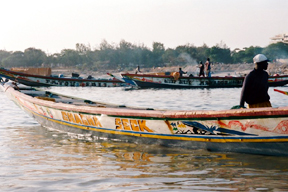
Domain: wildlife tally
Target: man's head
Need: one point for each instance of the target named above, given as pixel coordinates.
(261, 61)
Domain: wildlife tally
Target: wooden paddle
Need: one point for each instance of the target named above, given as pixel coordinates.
(111, 75)
(283, 92)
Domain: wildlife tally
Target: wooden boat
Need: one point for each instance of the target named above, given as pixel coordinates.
(172, 81)
(257, 131)
(46, 81)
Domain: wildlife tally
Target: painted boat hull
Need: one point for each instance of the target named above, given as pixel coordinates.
(168, 81)
(261, 148)
(44, 81)
(256, 131)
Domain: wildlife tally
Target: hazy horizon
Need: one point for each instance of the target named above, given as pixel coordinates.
(55, 25)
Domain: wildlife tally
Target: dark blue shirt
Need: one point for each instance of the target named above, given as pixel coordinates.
(255, 88)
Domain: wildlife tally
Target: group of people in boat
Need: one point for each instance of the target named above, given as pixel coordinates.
(204, 69)
(207, 67)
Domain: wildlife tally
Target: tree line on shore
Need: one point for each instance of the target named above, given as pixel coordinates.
(126, 56)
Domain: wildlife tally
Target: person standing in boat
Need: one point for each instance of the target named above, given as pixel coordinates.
(201, 67)
(137, 70)
(255, 86)
(208, 67)
(181, 72)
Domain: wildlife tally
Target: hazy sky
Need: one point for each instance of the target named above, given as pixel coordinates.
(59, 24)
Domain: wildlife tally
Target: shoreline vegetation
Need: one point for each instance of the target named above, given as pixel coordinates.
(125, 57)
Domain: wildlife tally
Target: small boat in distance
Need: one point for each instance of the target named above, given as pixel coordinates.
(256, 131)
(47, 80)
(168, 80)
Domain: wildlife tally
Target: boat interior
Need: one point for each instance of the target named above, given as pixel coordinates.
(59, 98)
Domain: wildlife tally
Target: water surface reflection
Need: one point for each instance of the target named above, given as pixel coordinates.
(36, 158)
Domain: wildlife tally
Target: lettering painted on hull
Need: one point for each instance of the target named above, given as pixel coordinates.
(81, 119)
(79, 83)
(132, 125)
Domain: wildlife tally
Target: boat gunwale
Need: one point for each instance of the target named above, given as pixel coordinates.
(159, 114)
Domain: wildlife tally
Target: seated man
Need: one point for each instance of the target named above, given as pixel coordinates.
(255, 86)
(181, 72)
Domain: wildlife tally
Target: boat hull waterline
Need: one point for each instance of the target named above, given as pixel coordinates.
(257, 131)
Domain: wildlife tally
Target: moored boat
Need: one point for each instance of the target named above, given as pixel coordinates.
(172, 81)
(46, 81)
(257, 131)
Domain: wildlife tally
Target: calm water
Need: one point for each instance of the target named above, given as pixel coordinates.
(33, 158)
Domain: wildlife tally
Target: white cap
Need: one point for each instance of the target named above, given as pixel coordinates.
(259, 58)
